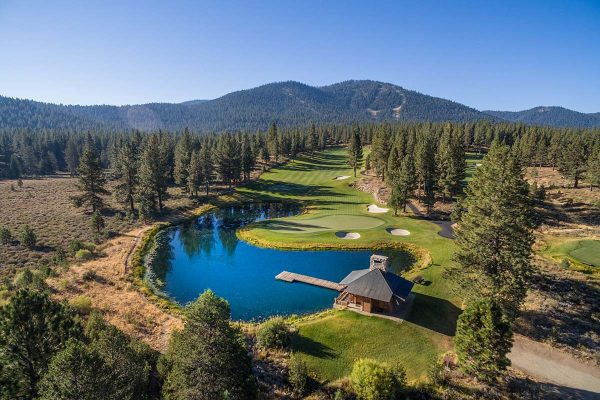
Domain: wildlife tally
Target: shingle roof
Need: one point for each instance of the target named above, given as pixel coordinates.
(377, 284)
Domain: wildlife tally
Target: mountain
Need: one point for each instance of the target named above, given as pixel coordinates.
(288, 103)
(552, 116)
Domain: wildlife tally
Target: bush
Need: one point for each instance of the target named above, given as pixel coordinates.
(76, 245)
(5, 236)
(83, 255)
(59, 256)
(298, 376)
(89, 275)
(273, 334)
(371, 380)
(81, 304)
(28, 279)
(436, 373)
(564, 263)
(28, 237)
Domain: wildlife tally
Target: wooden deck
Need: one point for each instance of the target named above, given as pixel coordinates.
(293, 277)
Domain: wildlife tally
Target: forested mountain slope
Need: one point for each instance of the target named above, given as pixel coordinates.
(550, 116)
(288, 103)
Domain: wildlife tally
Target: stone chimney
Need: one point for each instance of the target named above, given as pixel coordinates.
(379, 262)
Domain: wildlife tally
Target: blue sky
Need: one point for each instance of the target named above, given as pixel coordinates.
(504, 55)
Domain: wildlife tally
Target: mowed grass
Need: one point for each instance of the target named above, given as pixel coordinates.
(582, 254)
(330, 344)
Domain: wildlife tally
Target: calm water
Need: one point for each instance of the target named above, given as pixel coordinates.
(206, 254)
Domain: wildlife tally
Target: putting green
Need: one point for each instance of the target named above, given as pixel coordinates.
(323, 223)
(587, 252)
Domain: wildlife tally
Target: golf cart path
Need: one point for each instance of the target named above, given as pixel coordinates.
(555, 366)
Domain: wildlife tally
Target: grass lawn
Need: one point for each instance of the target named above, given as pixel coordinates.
(583, 254)
(331, 343)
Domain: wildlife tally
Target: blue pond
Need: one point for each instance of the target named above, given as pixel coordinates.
(206, 254)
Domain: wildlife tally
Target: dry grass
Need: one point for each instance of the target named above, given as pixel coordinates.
(112, 292)
(45, 205)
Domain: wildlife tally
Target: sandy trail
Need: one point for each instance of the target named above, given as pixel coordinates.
(573, 377)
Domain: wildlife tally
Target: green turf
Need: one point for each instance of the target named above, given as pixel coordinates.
(333, 205)
(587, 252)
(583, 254)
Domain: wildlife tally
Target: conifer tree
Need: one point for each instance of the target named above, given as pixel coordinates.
(153, 174)
(494, 236)
(208, 359)
(183, 154)
(403, 183)
(91, 181)
(313, 139)
(355, 150)
(380, 150)
(425, 166)
(228, 158)
(206, 162)
(593, 168)
(483, 340)
(248, 160)
(33, 329)
(195, 174)
(126, 164)
(273, 141)
(572, 162)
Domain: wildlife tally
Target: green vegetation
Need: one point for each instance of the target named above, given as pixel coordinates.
(580, 254)
(273, 334)
(208, 359)
(374, 381)
(483, 339)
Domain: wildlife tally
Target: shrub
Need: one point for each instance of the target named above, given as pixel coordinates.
(89, 275)
(28, 279)
(83, 255)
(5, 236)
(28, 237)
(371, 380)
(564, 263)
(298, 376)
(399, 375)
(81, 304)
(59, 256)
(436, 373)
(76, 245)
(273, 334)
(97, 222)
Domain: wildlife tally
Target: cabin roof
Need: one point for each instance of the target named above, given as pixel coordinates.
(377, 284)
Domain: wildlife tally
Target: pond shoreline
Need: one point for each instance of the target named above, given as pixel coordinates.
(147, 241)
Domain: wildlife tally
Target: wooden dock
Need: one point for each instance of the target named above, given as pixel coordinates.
(293, 277)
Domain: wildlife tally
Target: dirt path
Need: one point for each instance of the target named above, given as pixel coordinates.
(113, 293)
(565, 374)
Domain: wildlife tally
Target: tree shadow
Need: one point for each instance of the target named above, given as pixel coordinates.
(308, 346)
(433, 313)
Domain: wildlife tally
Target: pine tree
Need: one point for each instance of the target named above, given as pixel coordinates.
(153, 174)
(183, 154)
(425, 167)
(593, 168)
(355, 150)
(380, 150)
(72, 157)
(206, 162)
(91, 181)
(248, 160)
(126, 164)
(33, 329)
(273, 141)
(228, 158)
(483, 340)
(403, 183)
(208, 359)
(494, 236)
(572, 162)
(195, 174)
(97, 222)
(313, 139)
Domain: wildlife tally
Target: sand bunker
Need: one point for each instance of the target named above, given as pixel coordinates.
(398, 232)
(378, 210)
(341, 178)
(347, 235)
